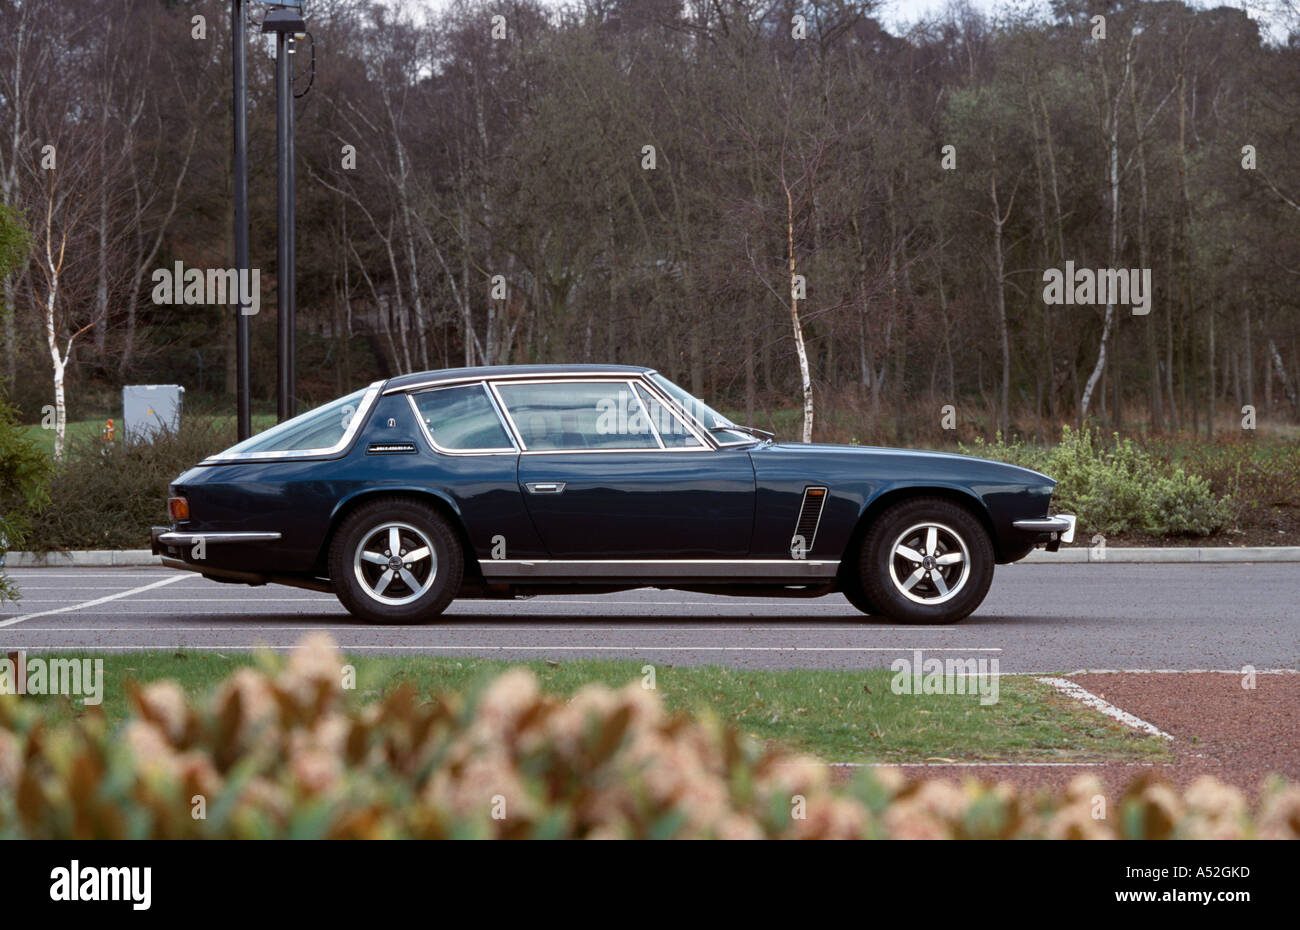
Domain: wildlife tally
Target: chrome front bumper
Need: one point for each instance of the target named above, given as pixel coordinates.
(1061, 525)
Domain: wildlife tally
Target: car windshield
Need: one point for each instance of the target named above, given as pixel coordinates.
(723, 430)
(315, 431)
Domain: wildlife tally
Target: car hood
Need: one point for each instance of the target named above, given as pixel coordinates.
(912, 460)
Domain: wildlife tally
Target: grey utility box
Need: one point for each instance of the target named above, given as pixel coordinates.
(148, 408)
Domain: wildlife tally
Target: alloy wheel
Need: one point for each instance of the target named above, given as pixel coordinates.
(929, 563)
(395, 563)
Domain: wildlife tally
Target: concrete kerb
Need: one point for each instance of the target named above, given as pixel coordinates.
(1166, 554)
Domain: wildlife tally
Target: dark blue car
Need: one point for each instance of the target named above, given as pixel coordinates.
(512, 481)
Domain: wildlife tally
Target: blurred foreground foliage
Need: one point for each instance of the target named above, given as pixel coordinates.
(276, 752)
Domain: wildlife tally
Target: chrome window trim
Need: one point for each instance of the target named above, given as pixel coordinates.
(668, 408)
(739, 442)
(692, 425)
(687, 416)
(507, 376)
(359, 417)
(642, 376)
(648, 449)
(645, 412)
(504, 412)
(704, 437)
(588, 379)
(441, 450)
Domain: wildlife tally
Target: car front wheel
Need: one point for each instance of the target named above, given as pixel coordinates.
(851, 588)
(395, 561)
(926, 561)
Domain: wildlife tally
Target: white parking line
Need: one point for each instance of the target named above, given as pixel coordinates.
(1071, 689)
(99, 600)
(19, 573)
(58, 587)
(172, 602)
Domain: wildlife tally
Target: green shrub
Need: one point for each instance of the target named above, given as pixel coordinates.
(1118, 488)
(279, 753)
(107, 495)
(1261, 479)
(24, 473)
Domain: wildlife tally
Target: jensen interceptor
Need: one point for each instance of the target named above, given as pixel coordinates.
(502, 482)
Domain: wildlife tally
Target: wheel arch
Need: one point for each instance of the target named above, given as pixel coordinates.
(440, 501)
(962, 497)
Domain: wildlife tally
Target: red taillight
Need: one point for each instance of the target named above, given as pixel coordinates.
(178, 508)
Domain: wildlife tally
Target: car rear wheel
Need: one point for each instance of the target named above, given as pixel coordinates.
(926, 561)
(395, 561)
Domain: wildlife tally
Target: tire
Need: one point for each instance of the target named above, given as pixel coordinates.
(901, 575)
(851, 588)
(395, 591)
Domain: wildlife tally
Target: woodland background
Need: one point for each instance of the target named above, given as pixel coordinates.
(525, 156)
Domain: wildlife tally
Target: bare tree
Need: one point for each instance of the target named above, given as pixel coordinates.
(1110, 127)
(61, 173)
(24, 60)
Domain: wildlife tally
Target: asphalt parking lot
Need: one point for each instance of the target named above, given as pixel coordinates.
(1037, 618)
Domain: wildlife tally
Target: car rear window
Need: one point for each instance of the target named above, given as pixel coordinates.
(462, 419)
(316, 431)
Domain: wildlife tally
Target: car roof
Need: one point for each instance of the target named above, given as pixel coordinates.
(423, 378)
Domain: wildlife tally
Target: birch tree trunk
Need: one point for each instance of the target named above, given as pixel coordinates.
(999, 218)
(1108, 323)
(799, 348)
(59, 363)
(1276, 357)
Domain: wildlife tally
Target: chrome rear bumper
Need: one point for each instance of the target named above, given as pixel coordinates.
(163, 538)
(185, 539)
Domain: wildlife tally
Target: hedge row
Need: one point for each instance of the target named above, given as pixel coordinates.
(1118, 487)
(107, 495)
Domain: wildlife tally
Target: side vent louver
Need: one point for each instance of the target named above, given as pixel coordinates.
(390, 448)
(810, 516)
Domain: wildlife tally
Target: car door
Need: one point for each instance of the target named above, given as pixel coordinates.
(607, 472)
(474, 462)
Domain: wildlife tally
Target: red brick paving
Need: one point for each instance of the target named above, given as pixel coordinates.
(1238, 735)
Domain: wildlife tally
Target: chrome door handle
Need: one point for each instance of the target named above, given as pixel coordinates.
(545, 487)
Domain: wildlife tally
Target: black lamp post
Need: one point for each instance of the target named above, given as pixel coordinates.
(237, 47)
(286, 22)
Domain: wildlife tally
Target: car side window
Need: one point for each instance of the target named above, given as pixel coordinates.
(577, 416)
(670, 426)
(462, 419)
